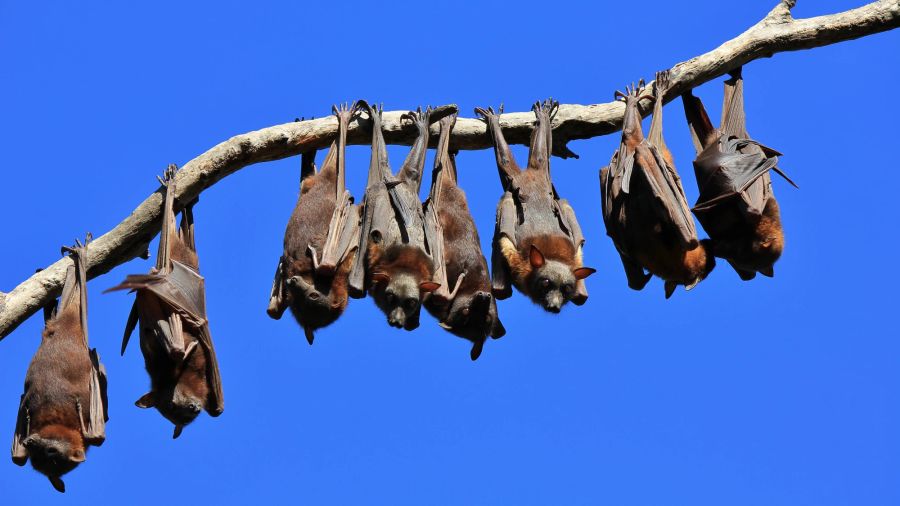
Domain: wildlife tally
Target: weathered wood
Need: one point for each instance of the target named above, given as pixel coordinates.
(777, 32)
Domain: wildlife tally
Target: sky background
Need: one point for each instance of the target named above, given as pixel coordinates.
(778, 391)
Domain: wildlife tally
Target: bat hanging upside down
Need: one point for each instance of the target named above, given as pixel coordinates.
(395, 262)
(644, 206)
(537, 240)
(170, 307)
(469, 310)
(64, 408)
(737, 205)
(320, 241)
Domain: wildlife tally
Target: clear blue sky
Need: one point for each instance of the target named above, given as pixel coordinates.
(778, 391)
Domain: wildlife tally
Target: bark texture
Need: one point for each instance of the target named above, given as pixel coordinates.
(777, 32)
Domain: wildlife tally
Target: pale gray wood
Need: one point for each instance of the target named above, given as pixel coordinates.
(777, 32)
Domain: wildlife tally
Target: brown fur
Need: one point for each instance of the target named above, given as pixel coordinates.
(400, 258)
(553, 247)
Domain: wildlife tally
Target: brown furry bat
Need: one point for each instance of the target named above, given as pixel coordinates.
(644, 207)
(324, 221)
(537, 240)
(469, 309)
(64, 408)
(171, 308)
(737, 205)
(395, 263)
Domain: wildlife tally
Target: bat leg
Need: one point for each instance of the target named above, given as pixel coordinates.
(637, 278)
(506, 162)
(743, 273)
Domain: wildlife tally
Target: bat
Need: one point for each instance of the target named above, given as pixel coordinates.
(737, 205)
(537, 242)
(170, 307)
(469, 310)
(395, 264)
(320, 242)
(64, 409)
(644, 206)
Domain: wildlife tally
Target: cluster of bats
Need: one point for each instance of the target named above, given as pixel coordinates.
(407, 254)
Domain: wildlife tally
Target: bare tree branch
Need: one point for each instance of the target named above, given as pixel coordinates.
(777, 32)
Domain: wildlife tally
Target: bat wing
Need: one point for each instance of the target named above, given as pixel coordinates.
(217, 400)
(567, 215)
(277, 302)
(665, 186)
(98, 411)
(406, 205)
(434, 235)
(728, 170)
(615, 181)
(19, 452)
(338, 241)
(357, 280)
(507, 218)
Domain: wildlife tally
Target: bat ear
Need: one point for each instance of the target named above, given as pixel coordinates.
(670, 288)
(57, 483)
(583, 272)
(498, 330)
(536, 257)
(380, 277)
(428, 286)
(148, 400)
(308, 332)
(78, 456)
(477, 346)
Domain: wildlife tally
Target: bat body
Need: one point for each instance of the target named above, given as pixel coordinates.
(644, 207)
(170, 309)
(469, 310)
(395, 263)
(737, 205)
(537, 240)
(320, 241)
(64, 408)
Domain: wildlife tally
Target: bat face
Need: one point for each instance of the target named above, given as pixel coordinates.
(399, 297)
(553, 283)
(180, 401)
(55, 451)
(474, 317)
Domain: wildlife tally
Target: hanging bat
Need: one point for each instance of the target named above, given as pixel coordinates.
(64, 409)
(469, 309)
(170, 306)
(737, 205)
(537, 240)
(644, 206)
(320, 241)
(395, 264)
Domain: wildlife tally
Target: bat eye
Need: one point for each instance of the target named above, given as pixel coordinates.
(545, 282)
(567, 288)
(410, 303)
(391, 298)
(465, 311)
(488, 318)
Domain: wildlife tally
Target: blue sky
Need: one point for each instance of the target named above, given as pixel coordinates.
(778, 391)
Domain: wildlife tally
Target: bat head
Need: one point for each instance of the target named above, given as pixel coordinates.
(54, 451)
(180, 401)
(399, 296)
(473, 316)
(312, 307)
(552, 283)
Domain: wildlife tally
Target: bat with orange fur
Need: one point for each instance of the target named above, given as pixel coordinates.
(644, 206)
(737, 205)
(537, 240)
(64, 409)
(320, 241)
(468, 310)
(170, 309)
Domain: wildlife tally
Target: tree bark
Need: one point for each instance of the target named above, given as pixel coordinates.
(777, 32)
